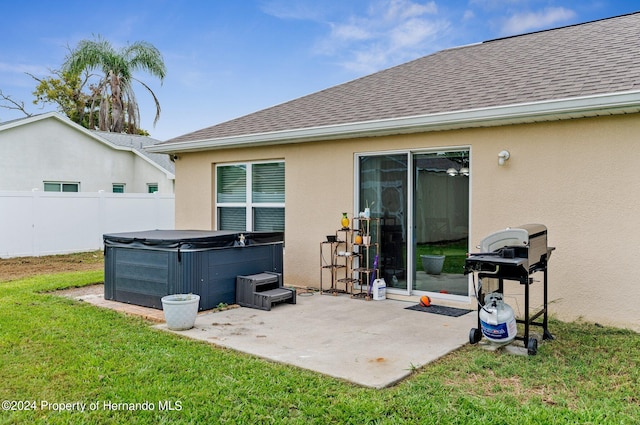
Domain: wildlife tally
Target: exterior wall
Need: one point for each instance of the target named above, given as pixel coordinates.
(577, 177)
(48, 150)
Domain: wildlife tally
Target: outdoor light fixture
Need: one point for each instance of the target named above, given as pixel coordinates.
(503, 156)
(461, 162)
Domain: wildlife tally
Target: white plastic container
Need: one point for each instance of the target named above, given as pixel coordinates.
(180, 310)
(497, 319)
(379, 290)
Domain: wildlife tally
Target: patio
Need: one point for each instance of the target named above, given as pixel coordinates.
(369, 343)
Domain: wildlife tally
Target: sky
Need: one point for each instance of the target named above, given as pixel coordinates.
(229, 58)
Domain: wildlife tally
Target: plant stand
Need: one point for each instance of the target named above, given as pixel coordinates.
(369, 228)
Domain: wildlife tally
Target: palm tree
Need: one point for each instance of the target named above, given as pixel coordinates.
(114, 93)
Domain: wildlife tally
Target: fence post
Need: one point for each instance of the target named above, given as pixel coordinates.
(102, 216)
(36, 204)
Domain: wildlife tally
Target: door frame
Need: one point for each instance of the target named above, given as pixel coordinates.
(410, 246)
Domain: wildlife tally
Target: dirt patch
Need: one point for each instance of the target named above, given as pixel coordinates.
(97, 289)
(22, 267)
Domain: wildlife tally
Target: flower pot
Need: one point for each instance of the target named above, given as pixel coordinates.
(180, 310)
(432, 264)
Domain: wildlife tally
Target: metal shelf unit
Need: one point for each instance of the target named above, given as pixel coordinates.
(338, 266)
(365, 272)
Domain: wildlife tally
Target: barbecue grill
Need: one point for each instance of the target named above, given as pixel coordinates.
(514, 253)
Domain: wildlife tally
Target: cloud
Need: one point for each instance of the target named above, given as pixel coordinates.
(23, 68)
(531, 21)
(293, 9)
(388, 32)
(394, 10)
(350, 32)
(412, 33)
(468, 15)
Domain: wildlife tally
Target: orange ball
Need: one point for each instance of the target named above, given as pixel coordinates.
(425, 301)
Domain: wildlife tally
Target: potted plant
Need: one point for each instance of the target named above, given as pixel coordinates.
(433, 263)
(180, 310)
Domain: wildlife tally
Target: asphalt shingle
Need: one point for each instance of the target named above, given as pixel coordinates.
(587, 59)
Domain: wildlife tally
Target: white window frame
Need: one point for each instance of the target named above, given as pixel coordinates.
(248, 205)
(114, 185)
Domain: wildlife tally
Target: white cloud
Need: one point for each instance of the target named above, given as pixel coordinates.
(350, 32)
(388, 33)
(468, 15)
(395, 10)
(412, 33)
(365, 62)
(21, 68)
(293, 9)
(531, 21)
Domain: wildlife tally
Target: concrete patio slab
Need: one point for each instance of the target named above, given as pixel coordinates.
(370, 343)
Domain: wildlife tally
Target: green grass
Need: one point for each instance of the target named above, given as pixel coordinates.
(455, 253)
(61, 351)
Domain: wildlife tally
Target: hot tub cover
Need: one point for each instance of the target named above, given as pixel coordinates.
(182, 240)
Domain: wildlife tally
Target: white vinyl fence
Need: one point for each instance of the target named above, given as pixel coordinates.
(44, 223)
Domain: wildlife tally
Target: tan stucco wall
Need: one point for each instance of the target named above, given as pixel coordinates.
(577, 177)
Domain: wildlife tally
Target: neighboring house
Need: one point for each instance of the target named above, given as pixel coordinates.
(565, 104)
(49, 152)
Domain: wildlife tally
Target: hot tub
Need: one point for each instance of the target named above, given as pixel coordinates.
(142, 267)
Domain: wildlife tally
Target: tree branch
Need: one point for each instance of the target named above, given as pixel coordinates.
(7, 102)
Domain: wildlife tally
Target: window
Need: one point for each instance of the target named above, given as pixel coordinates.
(152, 187)
(118, 188)
(250, 196)
(61, 187)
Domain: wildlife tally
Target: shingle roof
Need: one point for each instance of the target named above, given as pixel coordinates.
(580, 60)
(139, 143)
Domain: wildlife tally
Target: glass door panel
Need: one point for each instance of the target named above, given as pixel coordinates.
(383, 189)
(440, 222)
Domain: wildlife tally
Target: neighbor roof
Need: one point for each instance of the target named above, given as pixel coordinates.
(139, 144)
(582, 63)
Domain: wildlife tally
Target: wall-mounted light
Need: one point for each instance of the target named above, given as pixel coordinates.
(503, 156)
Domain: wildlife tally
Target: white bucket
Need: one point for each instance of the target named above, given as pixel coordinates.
(180, 310)
(379, 290)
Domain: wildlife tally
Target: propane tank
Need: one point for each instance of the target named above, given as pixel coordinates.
(497, 320)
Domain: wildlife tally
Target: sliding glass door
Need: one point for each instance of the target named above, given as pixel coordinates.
(383, 189)
(422, 200)
(441, 222)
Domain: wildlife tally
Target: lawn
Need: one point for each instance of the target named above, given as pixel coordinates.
(455, 253)
(54, 350)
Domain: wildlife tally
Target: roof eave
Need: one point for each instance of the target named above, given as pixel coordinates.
(551, 110)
